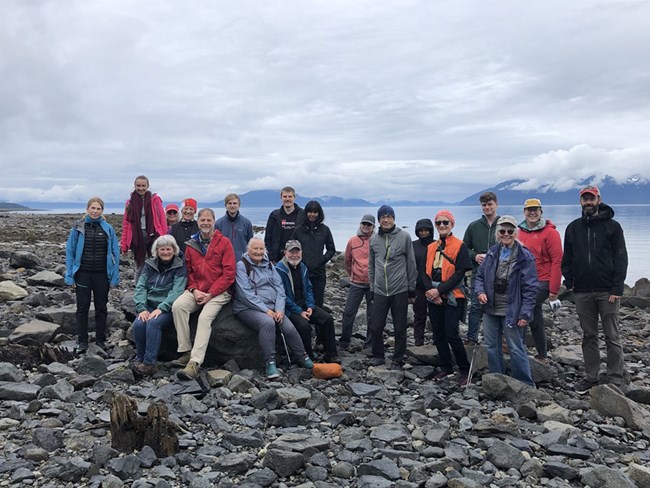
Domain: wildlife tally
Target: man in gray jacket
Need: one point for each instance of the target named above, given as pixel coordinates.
(392, 275)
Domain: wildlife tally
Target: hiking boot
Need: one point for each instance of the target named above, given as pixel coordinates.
(331, 359)
(463, 379)
(397, 365)
(441, 375)
(81, 348)
(189, 372)
(377, 361)
(183, 360)
(144, 369)
(307, 362)
(583, 386)
(272, 371)
(543, 359)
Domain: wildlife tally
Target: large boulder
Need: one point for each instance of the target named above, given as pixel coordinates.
(66, 318)
(502, 387)
(11, 291)
(46, 278)
(24, 259)
(34, 332)
(609, 401)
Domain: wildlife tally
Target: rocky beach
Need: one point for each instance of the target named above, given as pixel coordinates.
(372, 427)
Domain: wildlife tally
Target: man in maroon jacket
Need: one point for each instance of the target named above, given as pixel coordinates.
(210, 261)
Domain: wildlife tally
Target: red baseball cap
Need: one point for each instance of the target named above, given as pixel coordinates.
(590, 189)
(171, 206)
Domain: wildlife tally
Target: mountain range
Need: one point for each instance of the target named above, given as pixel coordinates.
(635, 190)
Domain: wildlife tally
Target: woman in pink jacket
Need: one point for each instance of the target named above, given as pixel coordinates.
(542, 239)
(144, 221)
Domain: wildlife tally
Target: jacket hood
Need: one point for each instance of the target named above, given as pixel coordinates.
(265, 260)
(153, 262)
(605, 212)
(544, 224)
(424, 224)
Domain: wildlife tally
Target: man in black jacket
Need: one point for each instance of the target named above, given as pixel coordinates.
(281, 224)
(424, 231)
(594, 266)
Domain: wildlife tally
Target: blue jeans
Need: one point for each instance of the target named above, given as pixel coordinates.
(474, 315)
(356, 294)
(148, 336)
(494, 327)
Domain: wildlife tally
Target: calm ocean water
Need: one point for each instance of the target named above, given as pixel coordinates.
(344, 221)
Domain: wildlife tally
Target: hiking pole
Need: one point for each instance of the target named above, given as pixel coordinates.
(471, 365)
(284, 341)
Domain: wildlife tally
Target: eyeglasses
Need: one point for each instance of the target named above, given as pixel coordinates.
(172, 212)
(366, 224)
(532, 209)
(442, 222)
(506, 231)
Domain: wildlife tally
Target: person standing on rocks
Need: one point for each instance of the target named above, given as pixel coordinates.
(210, 261)
(162, 281)
(542, 239)
(235, 226)
(479, 237)
(356, 265)
(92, 259)
(281, 224)
(144, 221)
(300, 304)
(506, 284)
(260, 303)
(424, 231)
(594, 266)
(315, 238)
(185, 228)
(443, 277)
(392, 274)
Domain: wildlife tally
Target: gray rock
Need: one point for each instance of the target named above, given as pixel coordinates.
(92, 365)
(18, 391)
(462, 483)
(386, 468)
(373, 482)
(38, 299)
(533, 468)
(124, 467)
(59, 369)
(112, 481)
(316, 473)
(147, 457)
(268, 399)
(436, 480)
(66, 318)
(570, 355)
(262, 477)
(22, 474)
(10, 291)
(390, 433)
(302, 443)
(24, 259)
(283, 463)
(252, 438)
(318, 402)
(101, 454)
(502, 387)
(59, 391)
(296, 394)
(432, 401)
(46, 278)
(234, 464)
(37, 454)
(48, 439)
(640, 475)
(239, 384)
(639, 394)
(10, 373)
(291, 417)
(343, 470)
(610, 402)
(438, 436)
(561, 470)
(555, 412)
(73, 469)
(194, 403)
(120, 375)
(505, 456)
(364, 389)
(568, 451)
(604, 477)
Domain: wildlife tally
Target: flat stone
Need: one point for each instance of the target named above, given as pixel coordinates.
(234, 464)
(502, 387)
(10, 291)
(218, 377)
(570, 355)
(92, 365)
(59, 391)
(46, 278)
(604, 477)
(296, 394)
(18, 391)
(291, 417)
(640, 475)
(505, 456)
(251, 438)
(639, 394)
(6, 423)
(438, 436)
(48, 439)
(610, 402)
(283, 463)
(561, 470)
(386, 468)
(364, 389)
(390, 433)
(302, 443)
(568, 451)
(24, 259)
(124, 467)
(10, 373)
(239, 384)
(553, 411)
(369, 481)
(268, 399)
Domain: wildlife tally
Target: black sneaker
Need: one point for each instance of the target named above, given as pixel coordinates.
(81, 348)
(583, 386)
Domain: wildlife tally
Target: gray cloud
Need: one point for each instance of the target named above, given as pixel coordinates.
(408, 99)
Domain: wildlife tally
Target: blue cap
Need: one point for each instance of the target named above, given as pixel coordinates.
(385, 210)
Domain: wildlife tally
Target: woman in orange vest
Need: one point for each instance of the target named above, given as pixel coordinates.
(447, 262)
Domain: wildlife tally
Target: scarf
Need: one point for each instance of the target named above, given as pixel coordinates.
(141, 246)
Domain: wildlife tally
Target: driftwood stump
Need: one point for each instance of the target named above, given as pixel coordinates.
(31, 356)
(131, 431)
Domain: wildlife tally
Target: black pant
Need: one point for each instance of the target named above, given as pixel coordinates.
(419, 316)
(318, 287)
(444, 322)
(398, 306)
(97, 285)
(324, 323)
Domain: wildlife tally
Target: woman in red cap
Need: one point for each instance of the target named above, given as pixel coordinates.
(447, 262)
(186, 227)
(144, 221)
(171, 212)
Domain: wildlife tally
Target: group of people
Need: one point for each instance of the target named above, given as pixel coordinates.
(277, 285)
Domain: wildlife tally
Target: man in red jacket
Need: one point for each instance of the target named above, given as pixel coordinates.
(542, 239)
(210, 261)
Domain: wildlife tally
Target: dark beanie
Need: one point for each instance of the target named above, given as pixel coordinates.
(385, 210)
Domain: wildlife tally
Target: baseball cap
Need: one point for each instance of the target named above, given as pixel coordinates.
(533, 202)
(507, 219)
(292, 244)
(368, 219)
(171, 206)
(590, 189)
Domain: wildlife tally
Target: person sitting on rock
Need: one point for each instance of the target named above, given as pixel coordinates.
(184, 229)
(210, 261)
(235, 226)
(92, 258)
(163, 279)
(300, 305)
(260, 302)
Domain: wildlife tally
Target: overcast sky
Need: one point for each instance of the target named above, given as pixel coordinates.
(374, 99)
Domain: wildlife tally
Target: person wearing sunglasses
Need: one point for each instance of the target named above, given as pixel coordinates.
(506, 284)
(447, 262)
(171, 212)
(541, 238)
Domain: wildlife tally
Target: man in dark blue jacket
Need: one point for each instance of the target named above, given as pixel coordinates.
(235, 226)
(594, 265)
(300, 305)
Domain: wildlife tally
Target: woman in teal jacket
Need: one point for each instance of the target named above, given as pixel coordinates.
(163, 280)
(92, 258)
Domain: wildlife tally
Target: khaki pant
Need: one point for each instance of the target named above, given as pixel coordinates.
(589, 306)
(181, 310)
